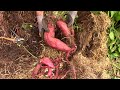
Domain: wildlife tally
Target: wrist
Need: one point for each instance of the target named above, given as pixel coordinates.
(73, 14)
(39, 13)
(39, 19)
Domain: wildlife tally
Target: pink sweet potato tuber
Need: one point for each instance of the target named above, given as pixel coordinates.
(51, 64)
(54, 42)
(68, 32)
(35, 71)
(57, 44)
(49, 72)
(47, 62)
(63, 27)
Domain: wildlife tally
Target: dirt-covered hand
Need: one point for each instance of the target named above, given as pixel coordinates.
(42, 25)
(71, 17)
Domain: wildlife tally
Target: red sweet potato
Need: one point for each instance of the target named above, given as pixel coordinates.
(47, 61)
(54, 42)
(57, 44)
(49, 72)
(36, 69)
(68, 32)
(63, 27)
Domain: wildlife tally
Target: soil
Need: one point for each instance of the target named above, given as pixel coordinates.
(15, 59)
(90, 60)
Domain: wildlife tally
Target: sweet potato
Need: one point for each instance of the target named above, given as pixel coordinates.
(56, 74)
(54, 42)
(57, 44)
(49, 65)
(63, 27)
(68, 32)
(47, 62)
(35, 71)
(49, 38)
(49, 72)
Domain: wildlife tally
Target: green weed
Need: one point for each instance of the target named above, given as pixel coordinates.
(114, 43)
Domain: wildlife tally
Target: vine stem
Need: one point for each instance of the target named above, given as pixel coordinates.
(13, 39)
(28, 51)
(10, 39)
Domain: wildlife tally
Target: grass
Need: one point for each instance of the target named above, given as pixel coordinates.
(114, 43)
(114, 35)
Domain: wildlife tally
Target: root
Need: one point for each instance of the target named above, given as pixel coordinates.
(10, 39)
(35, 71)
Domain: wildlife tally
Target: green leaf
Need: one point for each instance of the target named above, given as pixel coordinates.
(119, 49)
(112, 42)
(27, 26)
(117, 33)
(117, 16)
(111, 35)
(118, 45)
(111, 46)
(118, 29)
(111, 56)
(116, 54)
(113, 49)
(117, 41)
(112, 13)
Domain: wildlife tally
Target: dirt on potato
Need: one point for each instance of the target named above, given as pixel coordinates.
(90, 59)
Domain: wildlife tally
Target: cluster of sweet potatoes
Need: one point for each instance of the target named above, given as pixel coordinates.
(49, 38)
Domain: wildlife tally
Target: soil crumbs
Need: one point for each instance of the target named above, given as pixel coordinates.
(15, 62)
(90, 60)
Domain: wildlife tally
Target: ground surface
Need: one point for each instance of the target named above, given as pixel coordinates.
(90, 59)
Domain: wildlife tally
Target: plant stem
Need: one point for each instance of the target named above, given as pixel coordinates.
(10, 39)
(29, 52)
